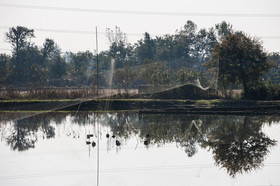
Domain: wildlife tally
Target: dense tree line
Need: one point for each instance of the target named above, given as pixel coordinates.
(31, 66)
(182, 57)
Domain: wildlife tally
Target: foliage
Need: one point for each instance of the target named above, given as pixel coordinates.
(241, 60)
(4, 60)
(158, 61)
(79, 66)
(274, 73)
(119, 50)
(156, 74)
(124, 77)
(18, 37)
(185, 75)
(266, 90)
(145, 48)
(223, 29)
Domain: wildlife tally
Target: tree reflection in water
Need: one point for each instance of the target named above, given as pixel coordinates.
(22, 138)
(238, 143)
(23, 134)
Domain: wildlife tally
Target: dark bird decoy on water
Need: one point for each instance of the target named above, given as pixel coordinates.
(118, 143)
(146, 142)
(89, 135)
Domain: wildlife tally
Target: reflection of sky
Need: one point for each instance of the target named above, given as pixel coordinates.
(65, 160)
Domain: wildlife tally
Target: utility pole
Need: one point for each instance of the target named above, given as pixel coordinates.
(98, 138)
(218, 70)
(98, 126)
(97, 64)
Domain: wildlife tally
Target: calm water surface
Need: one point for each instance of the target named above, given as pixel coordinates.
(138, 149)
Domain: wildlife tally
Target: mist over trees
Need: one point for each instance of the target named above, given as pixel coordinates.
(183, 57)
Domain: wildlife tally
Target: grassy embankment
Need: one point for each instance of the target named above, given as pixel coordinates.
(187, 99)
(214, 106)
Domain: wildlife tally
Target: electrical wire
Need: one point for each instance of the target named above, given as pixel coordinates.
(88, 32)
(113, 170)
(134, 12)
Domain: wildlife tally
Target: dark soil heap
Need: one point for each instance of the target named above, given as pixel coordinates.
(187, 91)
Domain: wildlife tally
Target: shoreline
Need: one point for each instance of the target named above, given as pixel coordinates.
(153, 106)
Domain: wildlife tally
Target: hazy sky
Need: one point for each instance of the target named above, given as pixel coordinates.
(256, 17)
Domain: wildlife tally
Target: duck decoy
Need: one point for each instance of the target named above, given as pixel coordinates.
(146, 142)
(118, 143)
(89, 135)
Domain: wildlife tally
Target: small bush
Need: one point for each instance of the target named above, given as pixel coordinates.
(265, 91)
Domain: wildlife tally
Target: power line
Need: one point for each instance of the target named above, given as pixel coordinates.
(88, 32)
(59, 31)
(114, 170)
(269, 37)
(134, 12)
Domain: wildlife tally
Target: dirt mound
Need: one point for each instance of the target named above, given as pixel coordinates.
(187, 91)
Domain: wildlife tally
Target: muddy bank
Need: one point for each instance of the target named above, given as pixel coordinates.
(35, 105)
(183, 106)
(151, 106)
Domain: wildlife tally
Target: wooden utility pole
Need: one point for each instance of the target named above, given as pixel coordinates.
(97, 64)
(98, 126)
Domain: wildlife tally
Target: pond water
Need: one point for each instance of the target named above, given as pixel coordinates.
(128, 148)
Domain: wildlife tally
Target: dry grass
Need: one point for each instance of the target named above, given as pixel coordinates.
(61, 93)
(230, 94)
